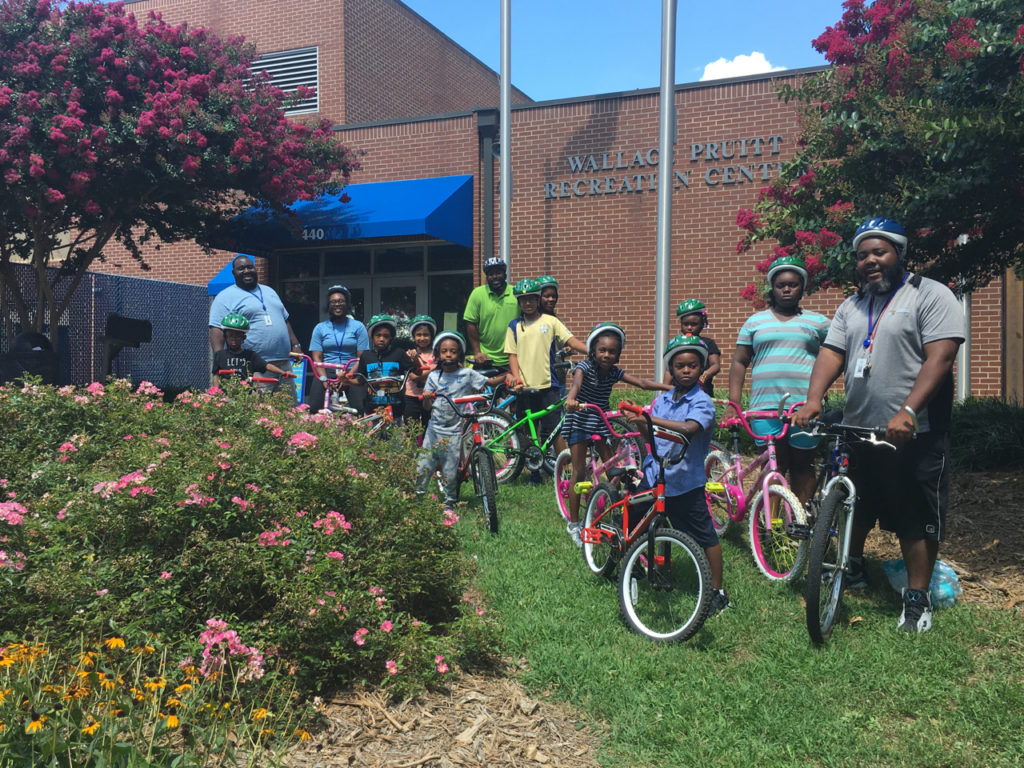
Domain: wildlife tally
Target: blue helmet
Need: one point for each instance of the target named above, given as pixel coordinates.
(888, 229)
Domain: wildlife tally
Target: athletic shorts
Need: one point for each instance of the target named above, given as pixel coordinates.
(906, 491)
(795, 437)
(687, 512)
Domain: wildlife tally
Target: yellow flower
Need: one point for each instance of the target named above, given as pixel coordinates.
(144, 649)
(35, 725)
(114, 642)
(172, 702)
(183, 688)
(266, 732)
(260, 713)
(6, 661)
(90, 729)
(172, 721)
(86, 658)
(157, 684)
(303, 735)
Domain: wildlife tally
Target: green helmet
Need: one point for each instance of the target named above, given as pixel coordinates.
(547, 281)
(526, 287)
(794, 263)
(687, 343)
(378, 320)
(691, 307)
(423, 320)
(606, 327)
(235, 322)
(455, 336)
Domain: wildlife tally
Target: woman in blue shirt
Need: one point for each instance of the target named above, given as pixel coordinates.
(337, 340)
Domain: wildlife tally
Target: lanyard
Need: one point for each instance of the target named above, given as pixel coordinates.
(260, 289)
(334, 330)
(872, 322)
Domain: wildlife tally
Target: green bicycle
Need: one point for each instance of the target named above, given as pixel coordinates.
(504, 438)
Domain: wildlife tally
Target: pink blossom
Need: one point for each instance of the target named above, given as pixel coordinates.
(439, 661)
(240, 502)
(14, 561)
(450, 517)
(335, 555)
(360, 636)
(95, 389)
(331, 522)
(386, 626)
(11, 512)
(62, 513)
(303, 440)
(165, 575)
(101, 592)
(391, 667)
(68, 448)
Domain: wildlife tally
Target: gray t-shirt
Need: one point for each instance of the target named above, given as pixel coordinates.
(268, 330)
(457, 383)
(921, 311)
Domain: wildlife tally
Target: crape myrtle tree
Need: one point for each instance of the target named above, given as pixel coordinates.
(920, 118)
(115, 131)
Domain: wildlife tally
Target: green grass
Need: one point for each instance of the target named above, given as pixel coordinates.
(749, 689)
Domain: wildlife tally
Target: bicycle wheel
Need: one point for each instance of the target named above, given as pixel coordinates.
(778, 556)
(826, 576)
(483, 466)
(507, 453)
(666, 600)
(719, 473)
(600, 553)
(563, 481)
(637, 446)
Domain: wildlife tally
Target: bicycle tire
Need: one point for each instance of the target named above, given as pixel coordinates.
(600, 558)
(483, 465)
(718, 469)
(826, 577)
(669, 601)
(508, 454)
(637, 446)
(778, 557)
(562, 481)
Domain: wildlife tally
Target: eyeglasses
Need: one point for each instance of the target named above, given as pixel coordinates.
(337, 303)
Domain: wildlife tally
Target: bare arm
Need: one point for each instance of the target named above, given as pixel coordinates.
(938, 362)
(216, 339)
(296, 344)
(633, 381)
(571, 403)
(714, 366)
(473, 339)
(573, 343)
(741, 360)
(514, 374)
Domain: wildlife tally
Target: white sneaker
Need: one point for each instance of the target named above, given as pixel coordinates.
(573, 529)
(917, 611)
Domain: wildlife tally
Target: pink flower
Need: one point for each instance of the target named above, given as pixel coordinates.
(95, 389)
(12, 512)
(303, 440)
(450, 518)
(67, 448)
(386, 626)
(165, 575)
(391, 667)
(101, 592)
(439, 661)
(336, 556)
(63, 513)
(360, 636)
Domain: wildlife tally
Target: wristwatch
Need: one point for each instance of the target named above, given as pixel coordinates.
(913, 417)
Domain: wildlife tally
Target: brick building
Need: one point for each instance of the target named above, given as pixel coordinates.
(423, 213)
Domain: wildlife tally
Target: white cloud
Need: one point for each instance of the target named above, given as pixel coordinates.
(754, 64)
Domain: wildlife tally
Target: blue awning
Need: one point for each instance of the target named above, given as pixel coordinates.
(440, 207)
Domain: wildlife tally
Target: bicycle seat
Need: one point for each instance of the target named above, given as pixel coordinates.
(388, 384)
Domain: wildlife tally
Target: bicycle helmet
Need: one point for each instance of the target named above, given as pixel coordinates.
(378, 320)
(422, 320)
(495, 261)
(888, 229)
(792, 263)
(687, 343)
(235, 322)
(604, 328)
(547, 281)
(340, 289)
(692, 307)
(455, 336)
(526, 287)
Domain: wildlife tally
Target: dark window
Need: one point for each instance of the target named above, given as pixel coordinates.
(299, 265)
(447, 258)
(354, 261)
(302, 300)
(448, 294)
(395, 260)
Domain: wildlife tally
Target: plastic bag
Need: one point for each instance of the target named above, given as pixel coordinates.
(944, 586)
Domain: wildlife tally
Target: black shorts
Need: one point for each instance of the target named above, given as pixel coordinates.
(906, 492)
(687, 512)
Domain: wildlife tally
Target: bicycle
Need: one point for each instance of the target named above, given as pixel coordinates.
(778, 521)
(665, 579)
(263, 385)
(829, 559)
(477, 462)
(628, 450)
(382, 416)
(331, 404)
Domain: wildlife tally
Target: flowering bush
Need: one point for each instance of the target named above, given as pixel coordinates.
(920, 119)
(303, 536)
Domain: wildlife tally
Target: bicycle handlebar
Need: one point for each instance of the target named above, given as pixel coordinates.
(607, 423)
(870, 435)
(743, 417)
(658, 432)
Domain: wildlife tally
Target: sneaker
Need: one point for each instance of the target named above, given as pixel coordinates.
(719, 602)
(855, 576)
(917, 611)
(536, 478)
(573, 529)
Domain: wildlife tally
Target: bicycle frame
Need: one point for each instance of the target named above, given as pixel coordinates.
(617, 458)
(338, 370)
(529, 418)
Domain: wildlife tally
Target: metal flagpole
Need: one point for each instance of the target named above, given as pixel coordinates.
(505, 137)
(666, 139)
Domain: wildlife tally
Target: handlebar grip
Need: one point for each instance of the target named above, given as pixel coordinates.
(631, 407)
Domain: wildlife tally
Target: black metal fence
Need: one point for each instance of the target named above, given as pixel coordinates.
(177, 356)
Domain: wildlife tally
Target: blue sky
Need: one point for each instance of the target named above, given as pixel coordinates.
(566, 48)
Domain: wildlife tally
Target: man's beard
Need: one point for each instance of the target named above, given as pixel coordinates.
(889, 278)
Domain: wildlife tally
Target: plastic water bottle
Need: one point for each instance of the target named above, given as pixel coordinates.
(944, 586)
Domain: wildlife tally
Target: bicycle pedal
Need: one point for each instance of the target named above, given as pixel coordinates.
(797, 531)
(583, 487)
(714, 487)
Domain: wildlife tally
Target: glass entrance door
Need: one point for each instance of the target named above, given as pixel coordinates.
(403, 297)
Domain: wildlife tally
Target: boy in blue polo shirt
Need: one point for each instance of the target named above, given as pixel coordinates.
(688, 409)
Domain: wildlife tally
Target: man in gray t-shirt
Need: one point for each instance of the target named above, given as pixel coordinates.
(895, 342)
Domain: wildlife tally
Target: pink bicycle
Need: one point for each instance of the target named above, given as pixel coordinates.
(778, 522)
(335, 405)
(628, 450)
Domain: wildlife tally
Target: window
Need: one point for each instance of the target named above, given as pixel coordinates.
(290, 69)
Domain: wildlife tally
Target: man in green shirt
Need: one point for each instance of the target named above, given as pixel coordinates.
(489, 310)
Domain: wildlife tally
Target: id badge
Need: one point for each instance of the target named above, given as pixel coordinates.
(860, 368)
(267, 320)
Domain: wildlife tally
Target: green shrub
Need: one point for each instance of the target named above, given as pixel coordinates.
(123, 510)
(987, 434)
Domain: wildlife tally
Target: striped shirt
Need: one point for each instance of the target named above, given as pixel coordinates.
(784, 354)
(593, 389)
